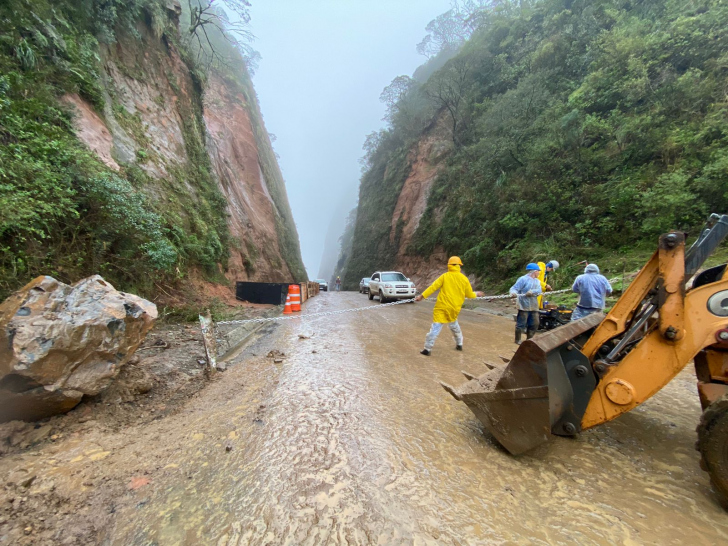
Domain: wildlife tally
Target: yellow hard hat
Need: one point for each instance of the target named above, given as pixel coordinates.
(454, 260)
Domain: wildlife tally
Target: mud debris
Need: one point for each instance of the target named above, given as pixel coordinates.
(341, 446)
(277, 356)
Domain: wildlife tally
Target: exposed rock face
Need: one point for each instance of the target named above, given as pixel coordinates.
(426, 161)
(152, 107)
(60, 342)
(92, 130)
(234, 155)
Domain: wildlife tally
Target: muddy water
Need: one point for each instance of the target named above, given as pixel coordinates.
(352, 441)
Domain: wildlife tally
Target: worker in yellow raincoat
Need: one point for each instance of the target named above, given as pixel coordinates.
(543, 278)
(454, 287)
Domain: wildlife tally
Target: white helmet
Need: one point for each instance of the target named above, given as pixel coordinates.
(554, 264)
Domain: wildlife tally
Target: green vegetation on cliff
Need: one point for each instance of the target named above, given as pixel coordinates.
(61, 211)
(580, 129)
(65, 213)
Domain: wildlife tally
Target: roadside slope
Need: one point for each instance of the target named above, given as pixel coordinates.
(575, 132)
(181, 183)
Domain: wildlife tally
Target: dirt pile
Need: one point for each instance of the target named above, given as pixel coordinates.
(62, 342)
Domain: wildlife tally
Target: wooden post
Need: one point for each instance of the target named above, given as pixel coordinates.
(208, 337)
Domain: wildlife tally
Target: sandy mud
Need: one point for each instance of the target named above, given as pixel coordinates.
(349, 439)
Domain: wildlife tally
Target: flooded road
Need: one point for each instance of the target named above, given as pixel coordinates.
(351, 440)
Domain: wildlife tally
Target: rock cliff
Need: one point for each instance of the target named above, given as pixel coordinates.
(564, 131)
(146, 122)
(385, 228)
(183, 183)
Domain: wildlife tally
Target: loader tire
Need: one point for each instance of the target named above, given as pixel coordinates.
(713, 445)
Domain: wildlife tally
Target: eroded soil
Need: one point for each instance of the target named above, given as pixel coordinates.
(349, 439)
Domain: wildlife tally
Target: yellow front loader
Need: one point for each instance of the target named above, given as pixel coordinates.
(597, 368)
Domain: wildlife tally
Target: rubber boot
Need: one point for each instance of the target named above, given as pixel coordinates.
(425, 352)
(519, 333)
(458, 347)
(530, 334)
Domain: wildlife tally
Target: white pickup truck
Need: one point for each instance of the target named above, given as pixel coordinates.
(391, 285)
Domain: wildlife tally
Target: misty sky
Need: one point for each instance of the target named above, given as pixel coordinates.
(324, 64)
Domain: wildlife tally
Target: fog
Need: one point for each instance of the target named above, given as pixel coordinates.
(323, 66)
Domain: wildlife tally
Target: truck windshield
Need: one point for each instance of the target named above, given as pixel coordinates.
(393, 277)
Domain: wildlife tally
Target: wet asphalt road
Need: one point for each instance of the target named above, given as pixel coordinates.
(351, 440)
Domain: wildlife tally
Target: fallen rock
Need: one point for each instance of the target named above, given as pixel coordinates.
(12, 434)
(131, 381)
(60, 342)
(20, 477)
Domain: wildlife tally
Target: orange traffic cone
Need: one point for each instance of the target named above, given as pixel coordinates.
(287, 308)
(294, 292)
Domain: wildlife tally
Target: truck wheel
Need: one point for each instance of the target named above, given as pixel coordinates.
(381, 297)
(713, 445)
(371, 296)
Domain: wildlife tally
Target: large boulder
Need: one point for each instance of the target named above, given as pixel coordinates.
(60, 342)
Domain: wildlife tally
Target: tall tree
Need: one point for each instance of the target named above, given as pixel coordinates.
(394, 94)
(448, 88)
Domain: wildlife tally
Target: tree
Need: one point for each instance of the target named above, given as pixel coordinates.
(211, 18)
(372, 142)
(451, 29)
(395, 93)
(448, 89)
(446, 31)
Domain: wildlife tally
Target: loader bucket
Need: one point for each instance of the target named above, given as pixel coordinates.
(543, 390)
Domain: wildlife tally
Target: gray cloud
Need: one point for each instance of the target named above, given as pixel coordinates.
(324, 65)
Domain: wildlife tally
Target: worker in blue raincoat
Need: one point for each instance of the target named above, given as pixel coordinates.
(593, 288)
(527, 289)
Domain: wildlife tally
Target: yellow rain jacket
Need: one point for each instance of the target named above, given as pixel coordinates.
(543, 279)
(454, 288)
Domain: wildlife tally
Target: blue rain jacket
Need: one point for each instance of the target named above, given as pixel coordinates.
(523, 285)
(592, 289)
